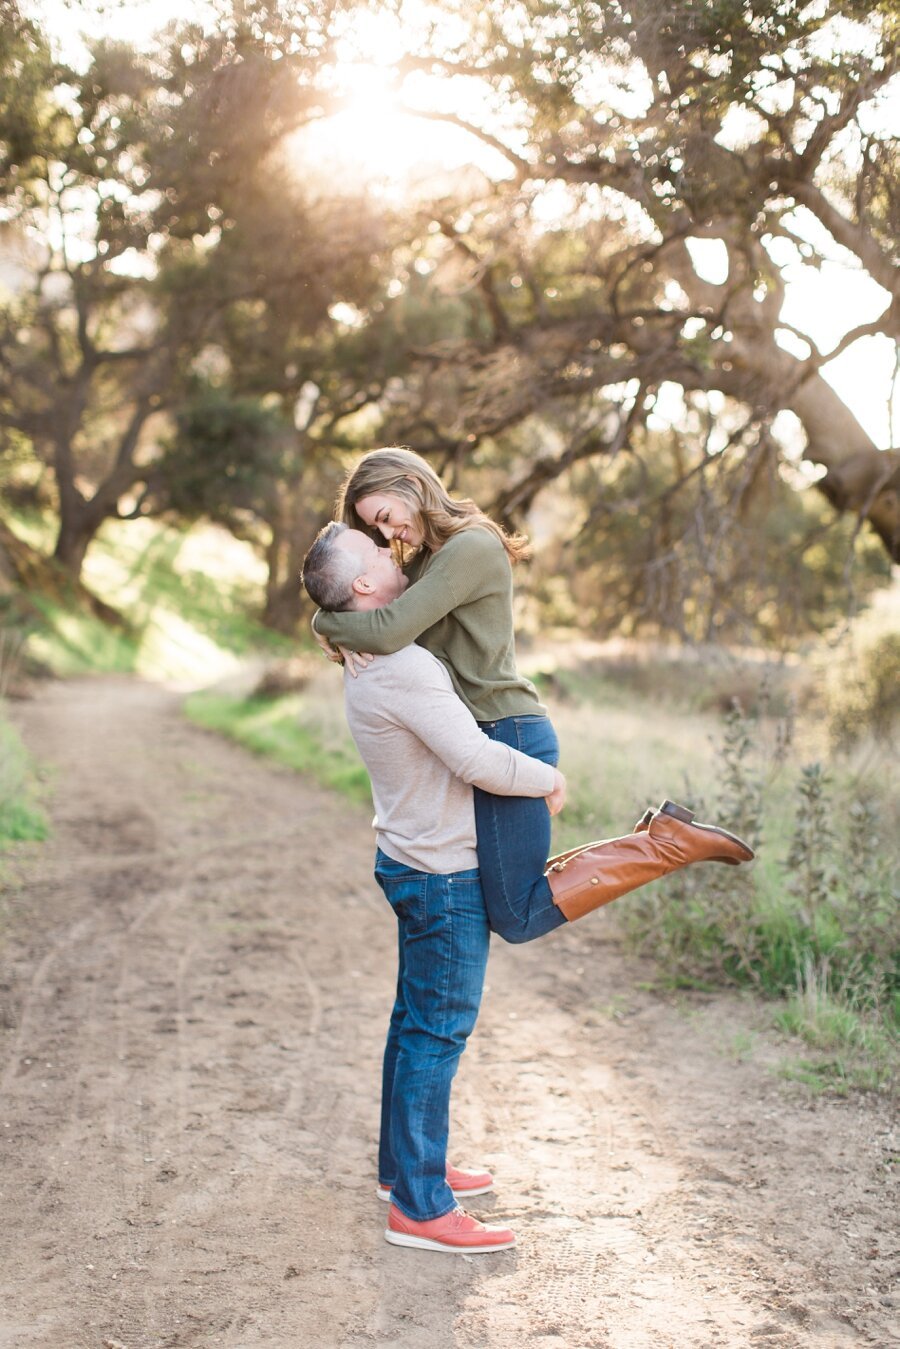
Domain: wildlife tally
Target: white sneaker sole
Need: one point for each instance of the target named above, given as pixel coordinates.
(461, 1195)
(426, 1244)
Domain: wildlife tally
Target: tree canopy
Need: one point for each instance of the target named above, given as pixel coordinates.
(198, 319)
(664, 124)
(159, 235)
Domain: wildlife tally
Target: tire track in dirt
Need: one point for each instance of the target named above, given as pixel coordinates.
(209, 975)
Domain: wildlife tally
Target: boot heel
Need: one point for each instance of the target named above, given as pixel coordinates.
(677, 812)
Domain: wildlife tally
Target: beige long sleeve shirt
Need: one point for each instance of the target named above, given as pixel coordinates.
(424, 752)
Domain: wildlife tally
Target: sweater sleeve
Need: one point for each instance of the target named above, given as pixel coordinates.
(433, 712)
(459, 571)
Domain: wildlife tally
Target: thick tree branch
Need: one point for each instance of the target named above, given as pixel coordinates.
(882, 324)
(517, 499)
(484, 277)
(851, 100)
(524, 169)
(848, 233)
(125, 354)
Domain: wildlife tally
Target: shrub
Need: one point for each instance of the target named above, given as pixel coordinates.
(818, 898)
(863, 692)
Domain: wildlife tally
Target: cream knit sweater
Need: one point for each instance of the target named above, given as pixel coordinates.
(423, 749)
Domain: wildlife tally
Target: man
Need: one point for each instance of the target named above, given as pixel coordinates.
(424, 751)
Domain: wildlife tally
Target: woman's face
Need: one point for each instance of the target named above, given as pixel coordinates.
(394, 517)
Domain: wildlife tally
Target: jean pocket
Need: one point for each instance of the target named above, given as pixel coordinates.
(406, 894)
(472, 877)
(536, 737)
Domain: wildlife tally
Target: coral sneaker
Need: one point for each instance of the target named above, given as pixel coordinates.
(464, 1184)
(456, 1232)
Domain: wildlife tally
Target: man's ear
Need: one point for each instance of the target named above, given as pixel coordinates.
(362, 585)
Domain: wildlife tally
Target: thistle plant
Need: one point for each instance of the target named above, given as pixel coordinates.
(810, 859)
(740, 776)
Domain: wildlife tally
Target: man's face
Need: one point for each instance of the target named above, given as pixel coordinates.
(377, 569)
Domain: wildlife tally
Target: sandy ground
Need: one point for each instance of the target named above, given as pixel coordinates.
(196, 975)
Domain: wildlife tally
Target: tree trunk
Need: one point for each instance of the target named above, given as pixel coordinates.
(294, 526)
(72, 545)
(35, 574)
(859, 477)
(285, 607)
(74, 533)
(80, 517)
(286, 602)
(79, 521)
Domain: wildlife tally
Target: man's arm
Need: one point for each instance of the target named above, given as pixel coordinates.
(428, 707)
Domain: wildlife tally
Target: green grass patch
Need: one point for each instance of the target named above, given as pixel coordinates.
(829, 1024)
(187, 599)
(282, 730)
(835, 1076)
(71, 643)
(21, 817)
(855, 1046)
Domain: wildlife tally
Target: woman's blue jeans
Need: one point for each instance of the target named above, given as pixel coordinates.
(514, 840)
(443, 950)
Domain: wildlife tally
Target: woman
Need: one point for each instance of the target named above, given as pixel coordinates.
(459, 606)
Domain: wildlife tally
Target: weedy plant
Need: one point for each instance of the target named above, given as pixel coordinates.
(815, 919)
(21, 817)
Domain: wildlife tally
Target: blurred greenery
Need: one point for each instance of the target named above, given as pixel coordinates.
(215, 321)
(187, 606)
(22, 818)
(201, 324)
(278, 729)
(743, 739)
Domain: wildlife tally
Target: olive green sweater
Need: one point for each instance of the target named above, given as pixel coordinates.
(459, 607)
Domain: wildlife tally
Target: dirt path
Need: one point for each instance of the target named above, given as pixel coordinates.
(197, 972)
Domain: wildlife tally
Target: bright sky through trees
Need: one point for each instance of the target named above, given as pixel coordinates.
(376, 137)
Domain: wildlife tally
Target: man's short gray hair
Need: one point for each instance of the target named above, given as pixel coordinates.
(329, 572)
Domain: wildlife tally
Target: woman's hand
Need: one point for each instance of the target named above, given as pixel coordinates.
(353, 660)
(327, 649)
(557, 798)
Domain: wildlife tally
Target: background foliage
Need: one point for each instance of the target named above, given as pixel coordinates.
(200, 319)
(204, 321)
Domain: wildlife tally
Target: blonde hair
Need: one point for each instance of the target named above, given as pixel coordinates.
(405, 474)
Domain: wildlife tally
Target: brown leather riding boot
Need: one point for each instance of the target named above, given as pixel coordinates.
(642, 824)
(597, 875)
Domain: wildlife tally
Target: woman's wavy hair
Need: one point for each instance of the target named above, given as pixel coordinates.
(405, 474)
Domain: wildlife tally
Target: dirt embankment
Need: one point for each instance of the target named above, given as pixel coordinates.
(197, 972)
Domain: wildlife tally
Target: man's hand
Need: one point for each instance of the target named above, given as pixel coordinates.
(557, 798)
(353, 660)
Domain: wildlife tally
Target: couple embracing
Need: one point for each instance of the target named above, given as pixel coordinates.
(414, 589)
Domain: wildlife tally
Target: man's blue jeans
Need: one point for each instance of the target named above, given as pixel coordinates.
(514, 840)
(443, 950)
